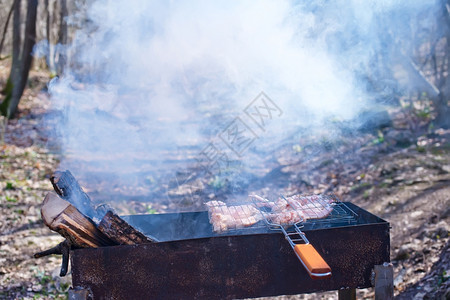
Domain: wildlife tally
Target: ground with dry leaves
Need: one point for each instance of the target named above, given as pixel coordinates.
(401, 173)
(25, 166)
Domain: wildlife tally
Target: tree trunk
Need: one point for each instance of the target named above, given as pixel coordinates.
(51, 47)
(441, 102)
(13, 76)
(63, 32)
(5, 29)
(22, 57)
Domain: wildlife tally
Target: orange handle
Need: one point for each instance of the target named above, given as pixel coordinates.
(316, 265)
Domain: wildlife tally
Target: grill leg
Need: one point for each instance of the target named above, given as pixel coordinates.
(347, 294)
(384, 281)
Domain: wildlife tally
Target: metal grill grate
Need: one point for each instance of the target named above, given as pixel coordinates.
(303, 210)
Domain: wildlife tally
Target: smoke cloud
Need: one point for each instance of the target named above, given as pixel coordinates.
(152, 81)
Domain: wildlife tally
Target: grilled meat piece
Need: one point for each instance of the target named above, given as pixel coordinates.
(224, 217)
(295, 208)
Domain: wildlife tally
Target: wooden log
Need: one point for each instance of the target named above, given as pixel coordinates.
(61, 216)
(119, 231)
(109, 223)
(68, 188)
(77, 226)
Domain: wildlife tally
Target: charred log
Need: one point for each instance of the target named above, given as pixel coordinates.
(68, 188)
(119, 231)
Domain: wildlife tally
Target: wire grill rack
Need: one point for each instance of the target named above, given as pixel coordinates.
(310, 211)
(340, 214)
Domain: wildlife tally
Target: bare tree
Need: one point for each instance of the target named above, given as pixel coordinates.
(22, 57)
(63, 35)
(51, 47)
(57, 34)
(5, 29)
(442, 70)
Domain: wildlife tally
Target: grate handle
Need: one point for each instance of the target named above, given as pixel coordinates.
(313, 262)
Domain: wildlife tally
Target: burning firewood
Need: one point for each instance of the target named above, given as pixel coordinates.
(79, 231)
(109, 223)
(68, 188)
(70, 213)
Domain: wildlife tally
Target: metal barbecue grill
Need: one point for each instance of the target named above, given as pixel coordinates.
(191, 261)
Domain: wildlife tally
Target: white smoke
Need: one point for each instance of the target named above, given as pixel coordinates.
(146, 76)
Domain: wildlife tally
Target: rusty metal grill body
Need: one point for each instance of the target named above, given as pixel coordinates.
(199, 264)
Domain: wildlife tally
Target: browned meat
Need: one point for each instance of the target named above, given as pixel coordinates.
(224, 217)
